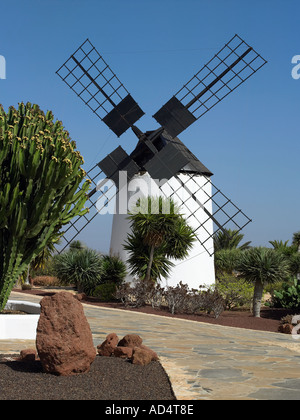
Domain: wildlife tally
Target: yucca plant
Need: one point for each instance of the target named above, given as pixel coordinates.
(295, 264)
(40, 175)
(139, 256)
(164, 233)
(296, 243)
(296, 240)
(262, 266)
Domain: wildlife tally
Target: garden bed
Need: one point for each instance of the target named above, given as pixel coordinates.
(269, 320)
(108, 379)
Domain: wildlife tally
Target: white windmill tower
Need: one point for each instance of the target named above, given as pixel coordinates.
(161, 163)
(193, 180)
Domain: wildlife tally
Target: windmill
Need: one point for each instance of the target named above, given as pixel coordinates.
(160, 160)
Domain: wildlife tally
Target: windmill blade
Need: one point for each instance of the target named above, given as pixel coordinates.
(93, 81)
(205, 206)
(99, 197)
(105, 180)
(116, 162)
(227, 70)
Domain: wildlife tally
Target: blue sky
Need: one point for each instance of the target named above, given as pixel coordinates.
(250, 141)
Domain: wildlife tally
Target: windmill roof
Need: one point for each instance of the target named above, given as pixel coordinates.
(194, 164)
(141, 154)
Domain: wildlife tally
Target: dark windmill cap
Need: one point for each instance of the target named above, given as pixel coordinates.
(172, 156)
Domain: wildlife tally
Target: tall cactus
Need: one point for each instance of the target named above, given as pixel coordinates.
(39, 178)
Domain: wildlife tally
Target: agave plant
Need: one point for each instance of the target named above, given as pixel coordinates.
(114, 269)
(40, 175)
(82, 268)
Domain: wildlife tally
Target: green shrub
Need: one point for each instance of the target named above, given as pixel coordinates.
(26, 287)
(288, 296)
(113, 270)
(235, 291)
(105, 291)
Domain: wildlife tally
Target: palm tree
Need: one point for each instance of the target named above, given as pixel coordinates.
(164, 231)
(296, 242)
(262, 266)
(229, 239)
(283, 247)
(295, 264)
(138, 258)
(226, 261)
(227, 248)
(279, 244)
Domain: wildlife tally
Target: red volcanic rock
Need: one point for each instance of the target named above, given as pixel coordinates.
(130, 347)
(285, 328)
(64, 340)
(130, 340)
(141, 356)
(134, 342)
(123, 352)
(152, 353)
(108, 346)
(80, 296)
(28, 355)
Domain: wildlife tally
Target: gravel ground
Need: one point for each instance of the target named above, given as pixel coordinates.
(108, 379)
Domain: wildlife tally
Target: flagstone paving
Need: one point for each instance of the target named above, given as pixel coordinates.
(203, 361)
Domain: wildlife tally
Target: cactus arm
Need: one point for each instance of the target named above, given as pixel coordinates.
(39, 180)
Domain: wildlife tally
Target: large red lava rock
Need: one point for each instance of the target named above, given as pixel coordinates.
(64, 339)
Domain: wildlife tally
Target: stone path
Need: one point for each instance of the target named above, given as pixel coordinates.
(203, 361)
